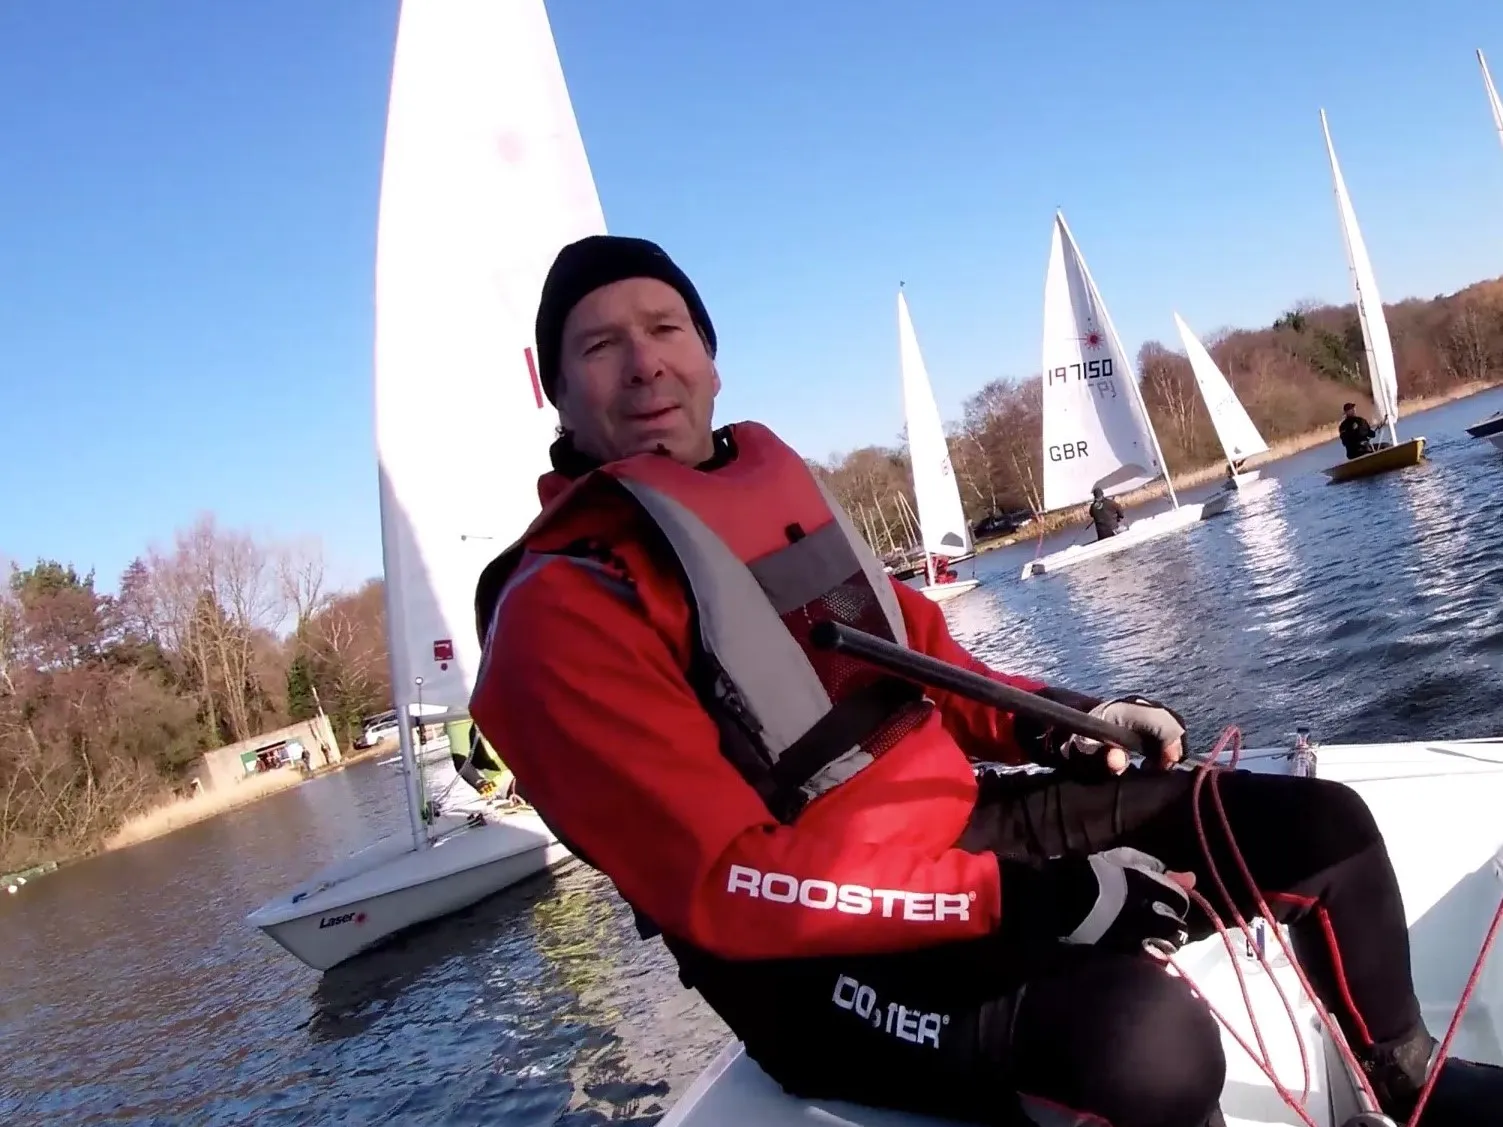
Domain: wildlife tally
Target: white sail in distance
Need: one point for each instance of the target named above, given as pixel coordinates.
(942, 522)
(1380, 367)
(1234, 428)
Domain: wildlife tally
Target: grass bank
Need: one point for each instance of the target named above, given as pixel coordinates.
(1214, 471)
(175, 813)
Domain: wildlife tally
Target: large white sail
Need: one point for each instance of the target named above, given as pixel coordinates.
(1380, 368)
(484, 179)
(942, 522)
(1234, 428)
(1492, 95)
(1096, 428)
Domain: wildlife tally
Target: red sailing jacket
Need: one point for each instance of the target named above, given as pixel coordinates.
(589, 704)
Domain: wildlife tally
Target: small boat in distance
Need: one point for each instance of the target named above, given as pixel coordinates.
(1234, 427)
(1096, 429)
(1392, 455)
(944, 534)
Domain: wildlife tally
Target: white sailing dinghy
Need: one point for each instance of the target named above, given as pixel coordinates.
(1381, 374)
(943, 531)
(1234, 428)
(1436, 804)
(1096, 427)
(1490, 428)
(485, 177)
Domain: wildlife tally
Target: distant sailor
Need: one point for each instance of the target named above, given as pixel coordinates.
(1355, 432)
(1106, 514)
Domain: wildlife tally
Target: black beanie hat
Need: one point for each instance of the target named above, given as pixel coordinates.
(585, 266)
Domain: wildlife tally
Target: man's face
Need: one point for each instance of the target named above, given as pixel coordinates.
(1348, 412)
(635, 375)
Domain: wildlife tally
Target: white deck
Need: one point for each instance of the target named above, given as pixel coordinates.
(1437, 804)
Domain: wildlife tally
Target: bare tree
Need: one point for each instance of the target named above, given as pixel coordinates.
(300, 573)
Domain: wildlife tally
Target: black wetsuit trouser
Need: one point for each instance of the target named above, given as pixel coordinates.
(1085, 1036)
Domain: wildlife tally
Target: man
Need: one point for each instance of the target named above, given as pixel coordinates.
(1106, 514)
(1355, 433)
(809, 835)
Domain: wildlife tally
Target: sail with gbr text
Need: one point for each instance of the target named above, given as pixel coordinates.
(1096, 429)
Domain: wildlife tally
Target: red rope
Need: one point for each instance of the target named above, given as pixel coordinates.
(1207, 780)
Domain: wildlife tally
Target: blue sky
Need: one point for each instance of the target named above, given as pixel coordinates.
(189, 190)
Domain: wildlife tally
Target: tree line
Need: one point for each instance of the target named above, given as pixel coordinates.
(1292, 377)
(106, 700)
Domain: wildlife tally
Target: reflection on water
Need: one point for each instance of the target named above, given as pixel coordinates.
(1273, 568)
(135, 993)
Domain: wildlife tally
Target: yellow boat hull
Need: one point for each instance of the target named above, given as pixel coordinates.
(1399, 457)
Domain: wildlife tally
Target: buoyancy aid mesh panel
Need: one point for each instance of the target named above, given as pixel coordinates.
(853, 603)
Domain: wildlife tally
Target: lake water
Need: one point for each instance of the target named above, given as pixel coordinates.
(134, 992)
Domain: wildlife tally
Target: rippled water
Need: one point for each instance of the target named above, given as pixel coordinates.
(134, 993)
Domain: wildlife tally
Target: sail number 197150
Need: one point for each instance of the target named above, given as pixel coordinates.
(1085, 370)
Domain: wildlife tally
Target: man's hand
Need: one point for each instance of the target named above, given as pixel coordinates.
(1133, 901)
(1162, 730)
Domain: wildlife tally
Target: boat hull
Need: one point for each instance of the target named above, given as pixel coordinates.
(1139, 532)
(943, 592)
(1490, 429)
(1399, 457)
(1419, 793)
(388, 887)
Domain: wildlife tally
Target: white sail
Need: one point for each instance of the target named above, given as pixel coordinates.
(1096, 428)
(942, 523)
(1380, 368)
(1492, 95)
(1238, 435)
(484, 179)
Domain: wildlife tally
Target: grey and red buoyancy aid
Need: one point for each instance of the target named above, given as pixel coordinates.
(765, 553)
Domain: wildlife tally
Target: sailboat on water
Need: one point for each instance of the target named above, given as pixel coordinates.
(484, 178)
(1392, 455)
(1490, 429)
(1234, 428)
(1097, 433)
(943, 531)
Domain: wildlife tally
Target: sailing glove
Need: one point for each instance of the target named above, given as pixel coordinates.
(1119, 900)
(1160, 727)
(1077, 756)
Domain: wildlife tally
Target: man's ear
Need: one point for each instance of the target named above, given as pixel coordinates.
(715, 383)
